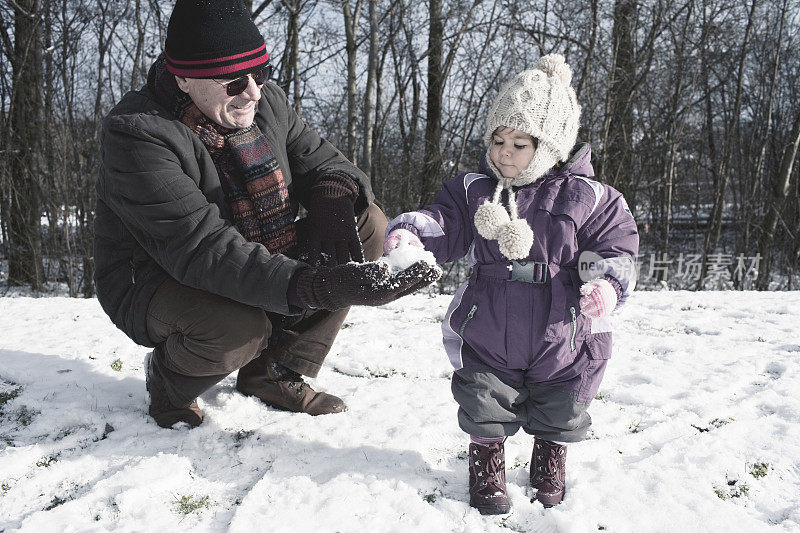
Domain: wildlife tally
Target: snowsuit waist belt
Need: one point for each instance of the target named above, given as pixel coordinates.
(524, 271)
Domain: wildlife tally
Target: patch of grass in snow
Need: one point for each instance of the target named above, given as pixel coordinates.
(71, 430)
(503, 523)
(603, 397)
(8, 395)
(734, 489)
(116, 364)
(761, 339)
(55, 502)
(520, 464)
(634, 427)
(759, 470)
(24, 415)
(46, 461)
(369, 373)
(5, 487)
(242, 434)
(191, 503)
(719, 422)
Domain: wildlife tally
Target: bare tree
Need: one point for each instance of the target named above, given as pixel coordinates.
(371, 89)
(351, 17)
(25, 265)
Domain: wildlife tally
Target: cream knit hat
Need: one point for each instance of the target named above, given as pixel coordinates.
(541, 103)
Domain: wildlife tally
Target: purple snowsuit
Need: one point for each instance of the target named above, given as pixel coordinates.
(524, 354)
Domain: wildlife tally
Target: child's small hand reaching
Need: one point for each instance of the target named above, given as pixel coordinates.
(598, 298)
(398, 237)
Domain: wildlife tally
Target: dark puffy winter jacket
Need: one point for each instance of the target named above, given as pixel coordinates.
(161, 211)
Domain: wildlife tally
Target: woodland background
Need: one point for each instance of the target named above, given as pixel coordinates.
(692, 109)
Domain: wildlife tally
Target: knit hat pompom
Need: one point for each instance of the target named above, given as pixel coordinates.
(555, 65)
(516, 239)
(489, 219)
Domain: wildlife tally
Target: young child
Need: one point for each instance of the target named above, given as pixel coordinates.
(552, 254)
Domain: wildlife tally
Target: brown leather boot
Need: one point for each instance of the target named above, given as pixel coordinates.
(279, 387)
(548, 471)
(487, 478)
(164, 412)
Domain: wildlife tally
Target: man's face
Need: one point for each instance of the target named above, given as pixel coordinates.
(234, 112)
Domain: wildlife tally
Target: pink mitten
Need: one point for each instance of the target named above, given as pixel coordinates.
(398, 237)
(598, 298)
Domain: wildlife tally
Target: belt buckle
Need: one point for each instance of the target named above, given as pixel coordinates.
(525, 271)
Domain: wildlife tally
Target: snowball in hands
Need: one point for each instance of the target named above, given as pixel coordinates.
(403, 249)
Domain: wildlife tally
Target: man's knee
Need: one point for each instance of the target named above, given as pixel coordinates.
(372, 231)
(244, 335)
(204, 334)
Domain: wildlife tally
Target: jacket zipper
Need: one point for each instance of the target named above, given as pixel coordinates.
(466, 320)
(574, 328)
(133, 272)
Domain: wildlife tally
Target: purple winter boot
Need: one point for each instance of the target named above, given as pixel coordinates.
(548, 471)
(487, 478)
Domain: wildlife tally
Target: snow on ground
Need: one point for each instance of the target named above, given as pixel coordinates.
(696, 428)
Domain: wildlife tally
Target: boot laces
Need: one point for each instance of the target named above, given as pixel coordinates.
(490, 469)
(285, 374)
(548, 463)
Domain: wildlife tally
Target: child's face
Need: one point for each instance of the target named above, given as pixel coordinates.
(511, 151)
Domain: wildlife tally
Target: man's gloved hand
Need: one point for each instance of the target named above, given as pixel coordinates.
(361, 284)
(330, 227)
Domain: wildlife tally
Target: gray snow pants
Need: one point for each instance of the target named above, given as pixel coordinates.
(489, 407)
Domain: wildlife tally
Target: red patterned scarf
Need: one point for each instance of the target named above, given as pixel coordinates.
(248, 170)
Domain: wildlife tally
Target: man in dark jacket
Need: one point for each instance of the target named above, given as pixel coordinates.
(197, 244)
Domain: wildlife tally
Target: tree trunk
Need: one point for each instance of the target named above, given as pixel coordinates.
(351, 47)
(431, 173)
(714, 230)
(751, 199)
(369, 93)
(289, 75)
(780, 193)
(25, 265)
(137, 57)
(615, 163)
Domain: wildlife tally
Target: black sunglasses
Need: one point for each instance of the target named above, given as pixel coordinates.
(239, 85)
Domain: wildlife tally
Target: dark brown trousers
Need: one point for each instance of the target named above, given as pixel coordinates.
(202, 334)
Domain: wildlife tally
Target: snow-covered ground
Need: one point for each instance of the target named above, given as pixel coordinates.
(696, 428)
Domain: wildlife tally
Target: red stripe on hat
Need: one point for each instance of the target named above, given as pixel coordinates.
(227, 58)
(217, 71)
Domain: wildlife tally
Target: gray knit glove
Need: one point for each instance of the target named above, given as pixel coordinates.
(361, 284)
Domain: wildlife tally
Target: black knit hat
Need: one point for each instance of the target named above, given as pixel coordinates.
(213, 39)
